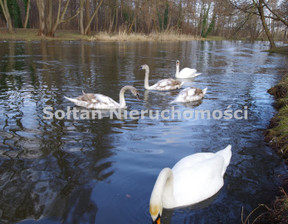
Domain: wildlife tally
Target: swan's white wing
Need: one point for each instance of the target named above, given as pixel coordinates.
(202, 157)
(187, 73)
(190, 161)
(77, 102)
(100, 101)
(189, 94)
(94, 101)
(167, 84)
(226, 154)
(199, 181)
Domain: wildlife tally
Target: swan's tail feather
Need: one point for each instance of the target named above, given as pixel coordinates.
(173, 101)
(226, 154)
(70, 99)
(196, 74)
(204, 91)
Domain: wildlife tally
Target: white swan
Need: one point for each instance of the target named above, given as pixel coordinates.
(193, 179)
(162, 85)
(185, 72)
(190, 94)
(99, 101)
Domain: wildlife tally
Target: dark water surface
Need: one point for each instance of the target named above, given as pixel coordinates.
(103, 170)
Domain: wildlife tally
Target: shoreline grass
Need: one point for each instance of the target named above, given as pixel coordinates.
(277, 133)
(164, 36)
(72, 35)
(277, 137)
(279, 50)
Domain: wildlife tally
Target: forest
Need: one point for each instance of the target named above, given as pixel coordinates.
(245, 19)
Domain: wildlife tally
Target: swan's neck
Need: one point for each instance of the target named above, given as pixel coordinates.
(177, 69)
(146, 80)
(122, 101)
(163, 193)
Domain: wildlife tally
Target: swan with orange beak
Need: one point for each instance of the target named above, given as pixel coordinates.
(193, 179)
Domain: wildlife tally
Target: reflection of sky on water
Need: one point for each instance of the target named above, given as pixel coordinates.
(84, 171)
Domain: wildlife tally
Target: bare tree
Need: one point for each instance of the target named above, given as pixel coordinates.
(41, 12)
(7, 16)
(27, 14)
(250, 8)
(276, 14)
(48, 27)
(267, 31)
(60, 17)
(81, 17)
(92, 17)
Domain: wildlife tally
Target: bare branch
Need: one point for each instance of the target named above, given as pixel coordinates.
(279, 18)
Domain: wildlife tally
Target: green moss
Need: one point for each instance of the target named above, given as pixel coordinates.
(279, 50)
(277, 136)
(277, 133)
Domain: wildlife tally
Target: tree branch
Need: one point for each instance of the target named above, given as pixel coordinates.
(91, 18)
(248, 8)
(279, 18)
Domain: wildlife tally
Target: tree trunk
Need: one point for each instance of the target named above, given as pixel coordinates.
(27, 14)
(81, 21)
(87, 18)
(7, 16)
(267, 31)
(60, 17)
(116, 18)
(49, 17)
(41, 12)
(92, 17)
(112, 18)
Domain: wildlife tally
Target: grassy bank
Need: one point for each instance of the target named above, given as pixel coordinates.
(277, 137)
(279, 50)
(31, 34)
(123, 36)
(277, 133)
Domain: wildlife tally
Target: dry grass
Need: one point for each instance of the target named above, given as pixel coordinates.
(247, 219)
(123, 36)
(31, 35)
(276, 213)
(71, 35)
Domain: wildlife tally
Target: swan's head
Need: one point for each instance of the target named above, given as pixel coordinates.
(144, 67)
(177, 63)
(135, 92)
(155, 212)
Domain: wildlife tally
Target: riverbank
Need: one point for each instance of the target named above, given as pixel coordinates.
(277, 133)
(66, 35)
(277, 137)
(279, 50)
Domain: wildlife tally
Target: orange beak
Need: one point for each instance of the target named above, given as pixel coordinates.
(157, 221)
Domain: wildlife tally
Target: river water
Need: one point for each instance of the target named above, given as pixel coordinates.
(103, 170)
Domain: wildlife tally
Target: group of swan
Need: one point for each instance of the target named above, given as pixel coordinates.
(194, 178)
(99, 101)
